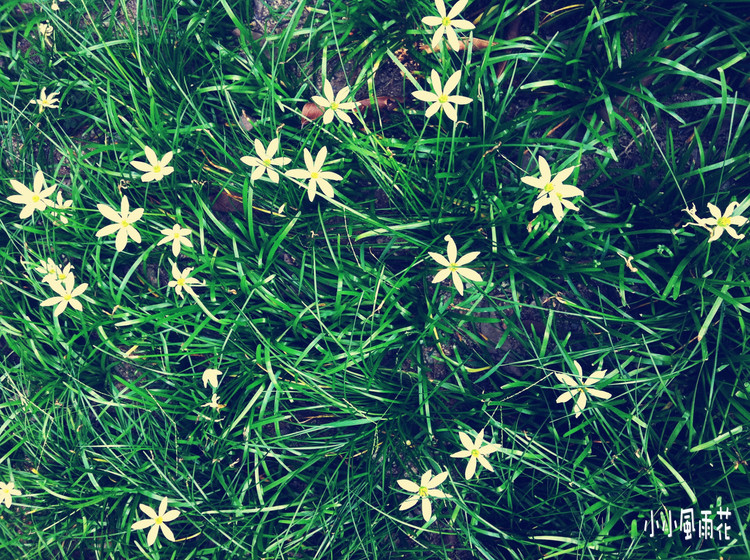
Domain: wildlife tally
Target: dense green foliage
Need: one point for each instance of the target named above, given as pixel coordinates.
(345, 368)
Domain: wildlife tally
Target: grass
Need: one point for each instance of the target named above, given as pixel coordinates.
(345, 368)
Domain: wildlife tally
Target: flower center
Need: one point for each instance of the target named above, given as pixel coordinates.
(158, 521)
(266, 162)
(423, 491)
(723, 221)
(67, 297)
(124, 223)
(181, 282)
(176, 235)
(549, 187)
(314, 175)
(475, 452)
(446, 21)
(442, 99)
(35, 198)
(452, 267)
(6, 491)
(157, 168)
(334, 106)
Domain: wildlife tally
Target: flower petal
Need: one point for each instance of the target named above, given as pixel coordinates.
(457, 8)
(426, 509)
(152, 534)
(151, 156)
(458, 283)
(466, 440)
(441, 275)
(142, 524)
(437, 480)
(411, 501)
(469, 274)
(108, 212)
(408, 485)
(715, 212)
(471, 468)
(467, 258)
(426, 96)
(168, 534)
(544, 170)
(450, 112)
(600, 394)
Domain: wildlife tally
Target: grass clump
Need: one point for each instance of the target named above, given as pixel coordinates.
(512, 292)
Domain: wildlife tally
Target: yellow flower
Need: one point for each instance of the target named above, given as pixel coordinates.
(52, 272)
(182, 281)
(156, 521)
(447, 23)
(156, 169)
(66, 294)
(553, 191)
(455, 268)
(441, 98)
(335, 106)
(424, 491)
(46, 101)
(38, 199)
(475, 451)
(62, 205)
(178, 236)
(581, 388)
(7, 491)
(123, 225)
(265, 160)
(721, 223)
(315, 174)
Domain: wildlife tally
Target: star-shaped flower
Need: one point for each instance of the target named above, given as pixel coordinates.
(38, 199)
(156, 169)
(46, 101)
(447, 23)
(156, 521)
(455, 268)
(265, 160)
(123, 225)
(49, 269)
(581, 388)
(315, 174)
(211, 376)
(719, 223)
(7, 491)
(334, 106)
(441, 98)
(60, 208)
(178, 236)
(475, 451)
(52, 272)
(553, 191)
(66, 294)
(424, 491)
(182, 280)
